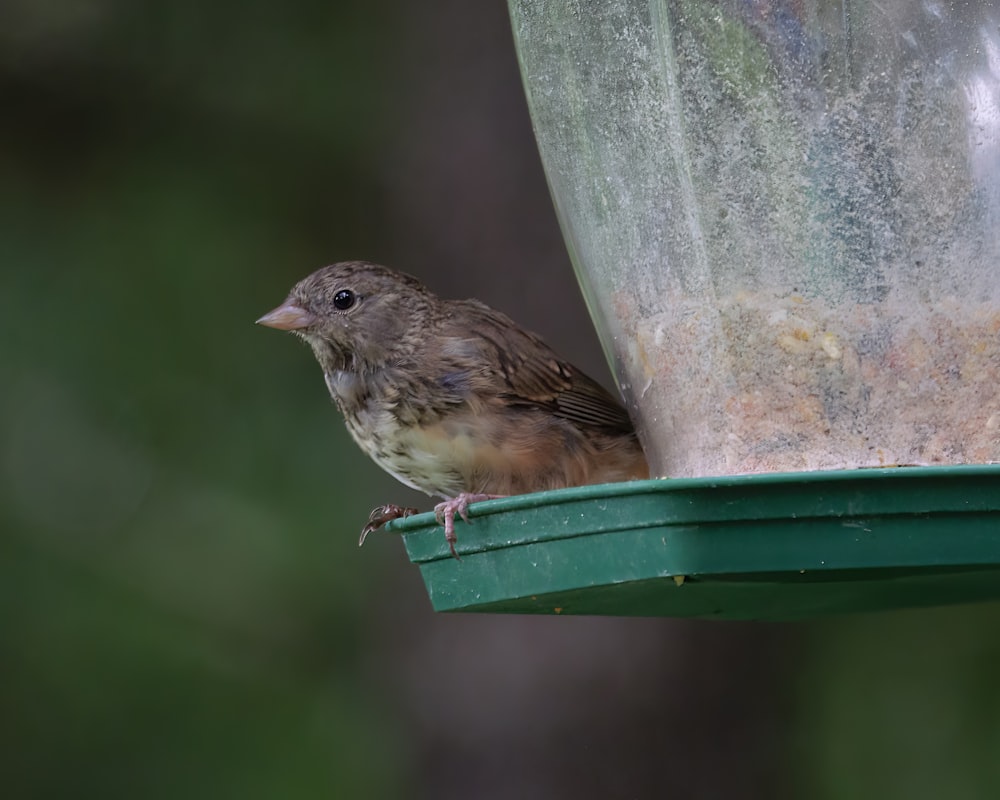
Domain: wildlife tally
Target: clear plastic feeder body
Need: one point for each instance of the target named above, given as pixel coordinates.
(785, 216)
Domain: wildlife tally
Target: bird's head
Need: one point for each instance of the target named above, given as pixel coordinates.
(355, 315)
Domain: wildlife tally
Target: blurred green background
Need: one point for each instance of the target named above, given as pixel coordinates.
(184, 611)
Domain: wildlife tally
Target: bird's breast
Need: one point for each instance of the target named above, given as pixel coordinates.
(345, 387)
(478, 445)
(381, 418)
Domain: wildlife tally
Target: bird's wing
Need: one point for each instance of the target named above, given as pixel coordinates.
(495, 356)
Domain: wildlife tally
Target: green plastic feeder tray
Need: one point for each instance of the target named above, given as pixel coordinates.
(769, 547)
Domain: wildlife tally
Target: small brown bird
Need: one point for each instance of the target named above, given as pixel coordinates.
(451, 397)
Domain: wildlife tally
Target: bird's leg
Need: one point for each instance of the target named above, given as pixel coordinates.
(382, 515)
(446, 511)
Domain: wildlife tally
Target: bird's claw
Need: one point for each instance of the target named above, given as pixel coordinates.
(382, 515)
(445, 513)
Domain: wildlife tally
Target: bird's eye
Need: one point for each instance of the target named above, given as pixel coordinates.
(343, 299)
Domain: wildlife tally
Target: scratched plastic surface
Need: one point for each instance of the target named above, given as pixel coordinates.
(776, 546)
(785, 217)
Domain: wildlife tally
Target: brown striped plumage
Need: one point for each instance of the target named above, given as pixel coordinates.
(452, 397)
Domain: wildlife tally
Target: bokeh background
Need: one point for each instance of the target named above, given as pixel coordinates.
(184, 611)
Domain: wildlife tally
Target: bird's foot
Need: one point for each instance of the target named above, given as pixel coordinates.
(382, 515)
(446, 511)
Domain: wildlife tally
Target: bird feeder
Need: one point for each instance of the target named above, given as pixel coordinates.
(785, 219)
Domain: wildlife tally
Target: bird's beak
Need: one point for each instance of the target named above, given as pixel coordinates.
(288, 317)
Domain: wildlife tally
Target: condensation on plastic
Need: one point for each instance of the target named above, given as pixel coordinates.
(785, 217)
